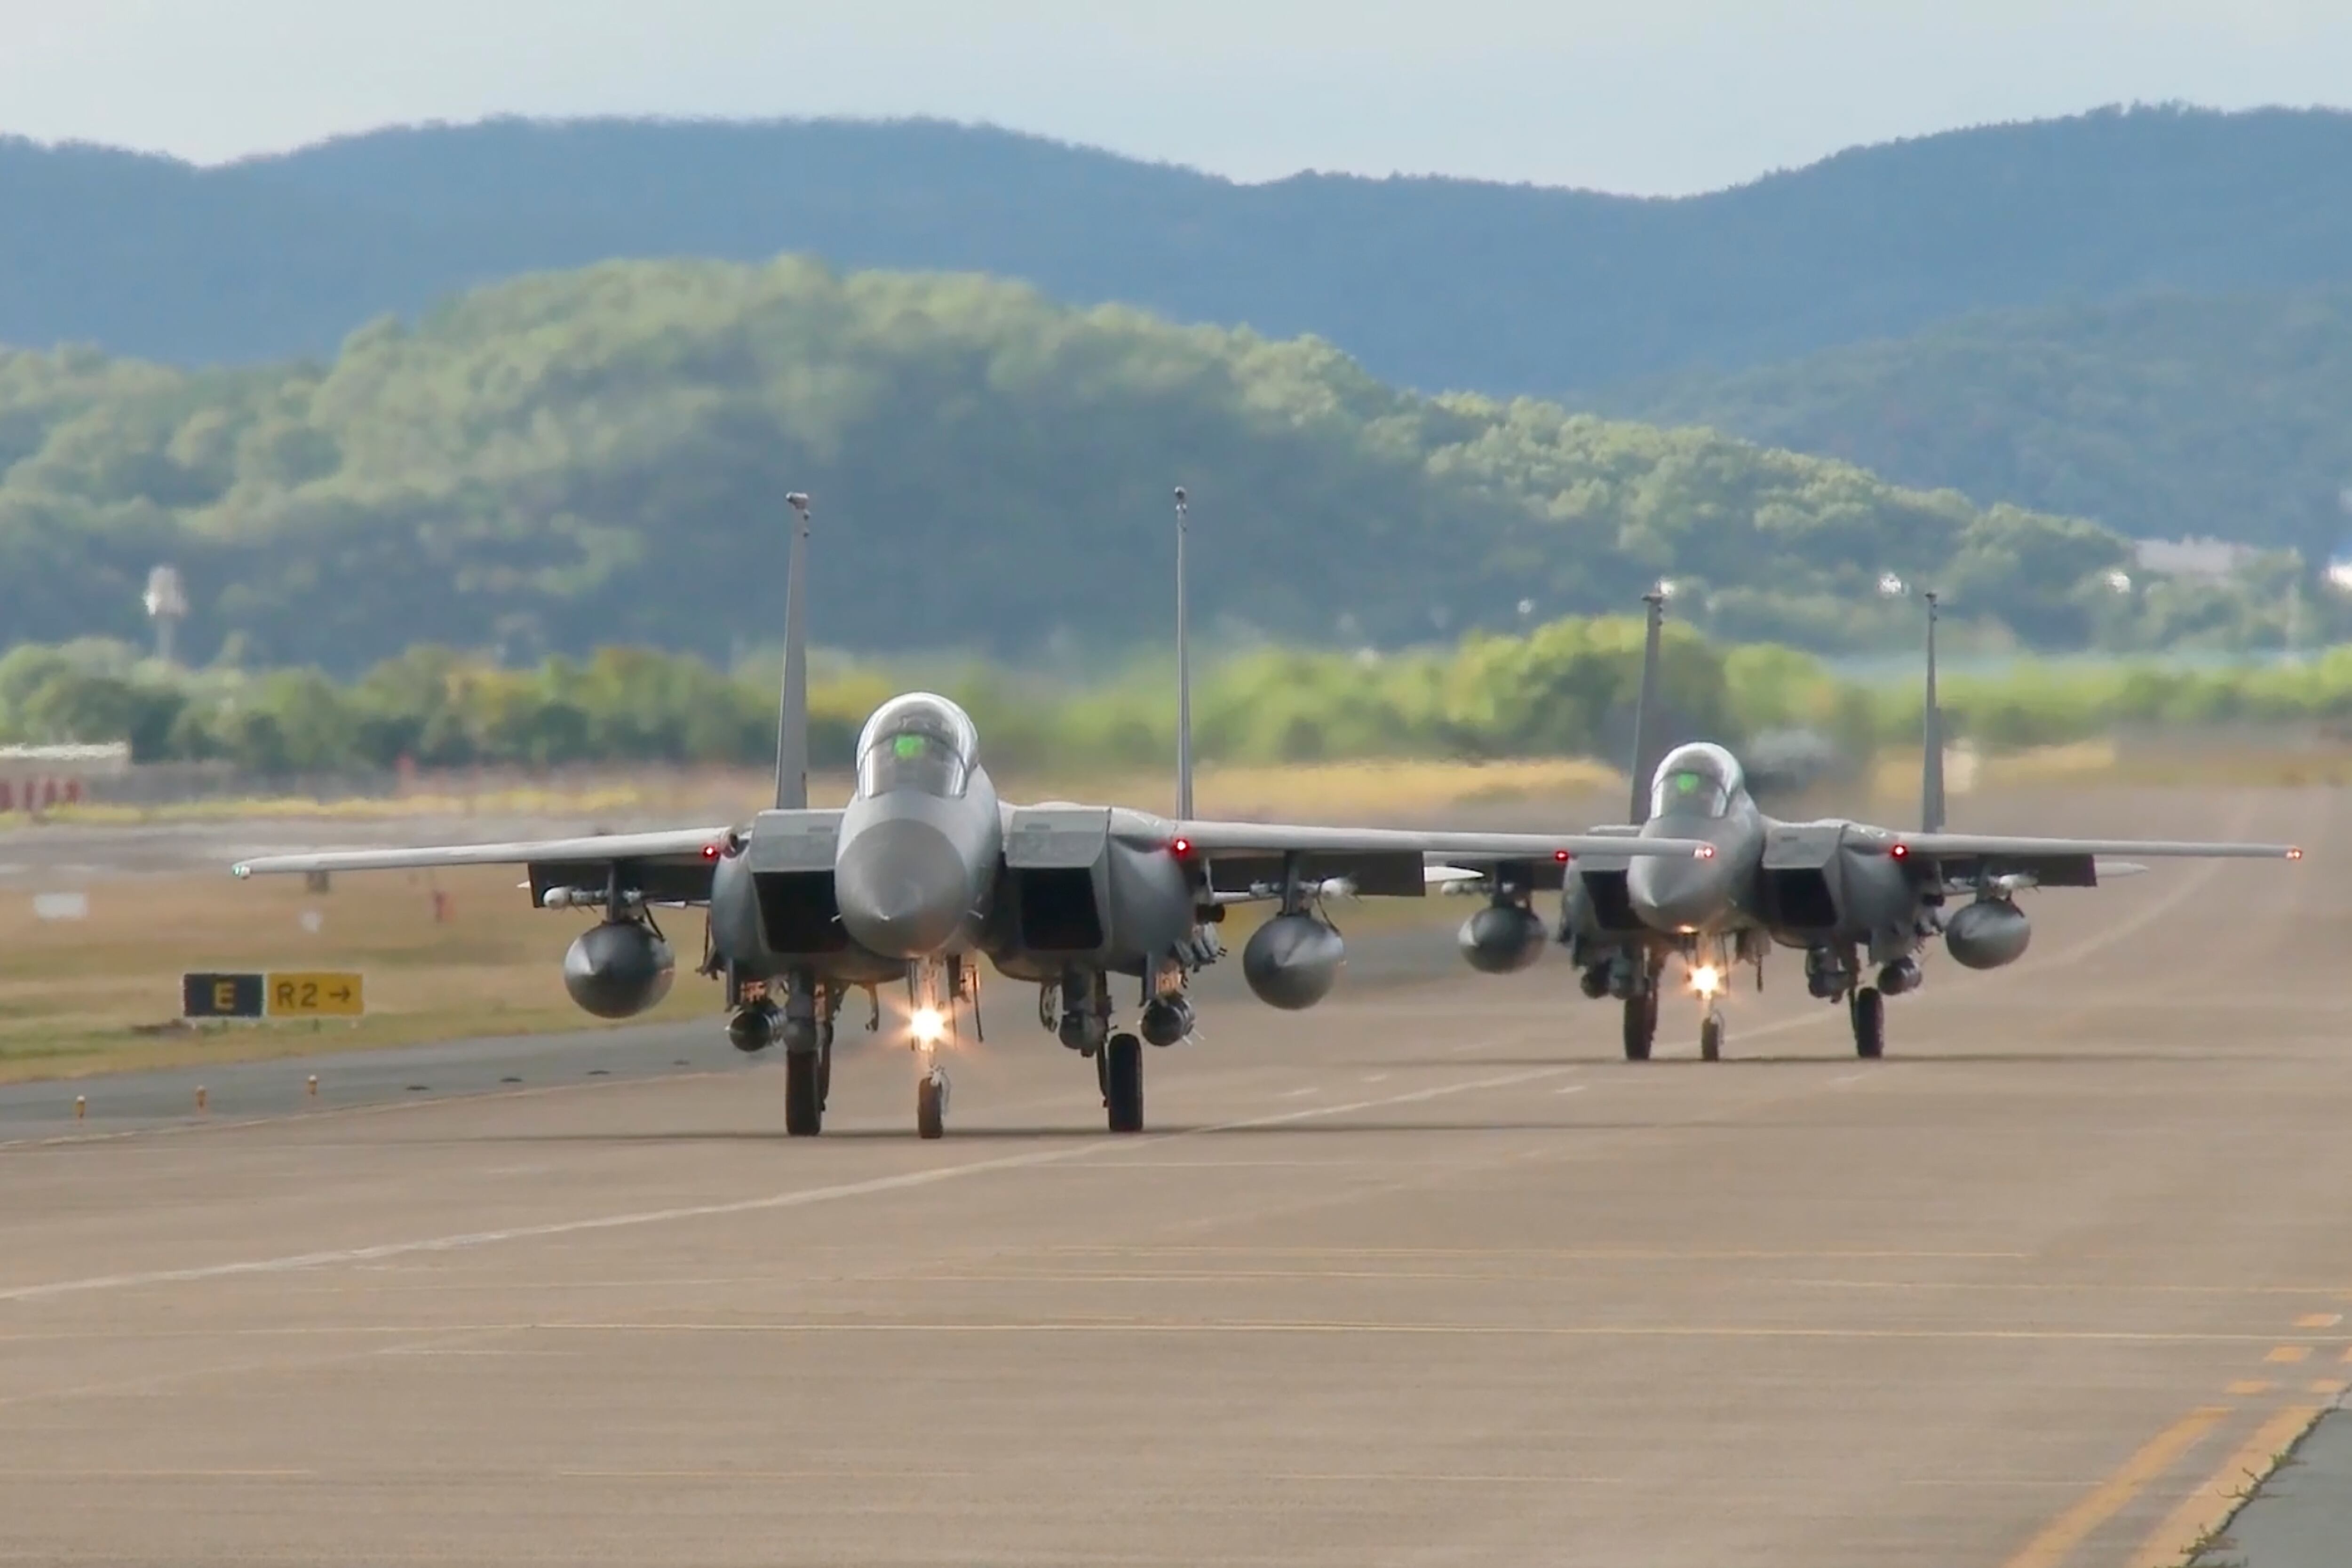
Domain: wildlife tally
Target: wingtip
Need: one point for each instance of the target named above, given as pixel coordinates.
(2295, 852)
(240, 870)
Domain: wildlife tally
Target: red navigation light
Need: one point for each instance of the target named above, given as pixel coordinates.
(1901, 852)
(1182, 847)
(710, 852)
(1560, 855)
(2294, 853)
(1705, 852)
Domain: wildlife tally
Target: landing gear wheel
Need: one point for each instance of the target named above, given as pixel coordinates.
(1869, 1010)
(930, 1105)
(1710, 1037)
(804, 1094)
(825, 1069)
(1641, 1025)
(1122, 1081)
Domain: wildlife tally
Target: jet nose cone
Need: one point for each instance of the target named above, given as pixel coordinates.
(1676, 895)
(902, 887)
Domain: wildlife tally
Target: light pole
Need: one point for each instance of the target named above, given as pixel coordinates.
(167, 606)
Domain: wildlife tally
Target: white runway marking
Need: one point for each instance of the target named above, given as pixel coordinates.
(803, 1198)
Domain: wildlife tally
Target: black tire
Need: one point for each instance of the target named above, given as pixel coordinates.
(1640, 1026)
(804, 1095)
(930, 1114)
(1869, 1010)
(1123, 1083)
(825, 1069)
(1710, 1038)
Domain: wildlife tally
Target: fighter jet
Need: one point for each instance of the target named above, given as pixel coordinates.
(926, 872)
(1860, 902)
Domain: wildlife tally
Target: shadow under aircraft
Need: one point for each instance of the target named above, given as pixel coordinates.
(926, 872)
(1860, 902)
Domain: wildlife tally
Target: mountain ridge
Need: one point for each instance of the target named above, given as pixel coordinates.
(1431, 282)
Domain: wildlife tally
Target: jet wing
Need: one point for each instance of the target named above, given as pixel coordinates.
(2064, 862)
(1393, 862)
(671, 867)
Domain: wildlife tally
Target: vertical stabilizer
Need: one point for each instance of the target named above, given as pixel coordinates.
(1931, 740)
(1645, 704)
(1183, 675)
(791, 707)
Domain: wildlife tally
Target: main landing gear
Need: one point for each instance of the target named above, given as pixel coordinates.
(1078, 1011)
(804, 1024)
(1830, 975)
(1868, 1009)
(1641, 1023)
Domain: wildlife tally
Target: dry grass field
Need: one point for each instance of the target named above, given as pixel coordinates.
(101, 993)
(98, 994)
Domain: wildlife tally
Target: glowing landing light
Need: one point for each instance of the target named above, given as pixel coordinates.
(1707, 980)
(2295, 854)
(929, 1025)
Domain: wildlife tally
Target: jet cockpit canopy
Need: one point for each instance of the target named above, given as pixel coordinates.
(917, 741)
(1699, 779)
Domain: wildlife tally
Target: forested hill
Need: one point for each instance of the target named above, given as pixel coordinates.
(2172, 417)
(1435, 283)
(598, 457)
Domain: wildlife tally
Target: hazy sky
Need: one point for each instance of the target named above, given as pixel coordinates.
(1631, 95)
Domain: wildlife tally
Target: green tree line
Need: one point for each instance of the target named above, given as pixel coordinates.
(584, 459)
(1563, 689)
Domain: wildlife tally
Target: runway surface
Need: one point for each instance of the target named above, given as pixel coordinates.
(1428, 1276)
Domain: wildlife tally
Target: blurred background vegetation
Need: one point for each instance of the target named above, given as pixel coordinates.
(1562, 690)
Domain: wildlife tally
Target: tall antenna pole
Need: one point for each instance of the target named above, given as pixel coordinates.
(1183, 673)
(1931, 739)
(791, 707)
(1638, 810)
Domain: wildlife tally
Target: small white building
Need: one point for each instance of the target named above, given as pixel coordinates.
(35, 778)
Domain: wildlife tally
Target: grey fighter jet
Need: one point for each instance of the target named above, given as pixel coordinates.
(1862, 903)
(926, 872)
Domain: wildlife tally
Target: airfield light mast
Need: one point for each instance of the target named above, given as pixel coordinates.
(1183, 675)
(167, 606)
(792, 704)
(1638, 809)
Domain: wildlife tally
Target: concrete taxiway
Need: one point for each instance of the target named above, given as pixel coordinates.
(1426, 1276)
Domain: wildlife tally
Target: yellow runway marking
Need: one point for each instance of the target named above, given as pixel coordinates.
(2166, 1449)
(2251, 1385)
(2347, 1358)
(2329, 1386)
(2320, 1319)
(2289, 1354)
(2209, 1508)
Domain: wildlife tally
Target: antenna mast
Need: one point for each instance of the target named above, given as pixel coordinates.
(791, 707)
(1931, 737)
(1183, 673)
(1638, 809)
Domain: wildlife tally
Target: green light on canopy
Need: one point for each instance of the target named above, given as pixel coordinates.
(906, 747)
